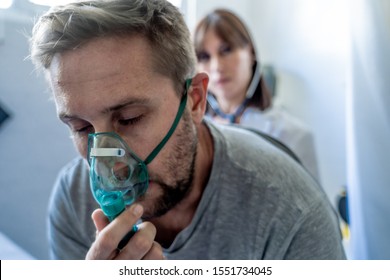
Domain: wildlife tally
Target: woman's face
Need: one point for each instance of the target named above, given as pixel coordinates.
(230, 70)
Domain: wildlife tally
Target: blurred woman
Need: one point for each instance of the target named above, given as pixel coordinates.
(237, 90)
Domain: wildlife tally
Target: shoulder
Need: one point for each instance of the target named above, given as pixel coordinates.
(239, 148)
(230, 136)
(71, 230)
(72, 189)
(76, 166)
(73, 176)
(244, 158)
(247, 141)
(243, 153)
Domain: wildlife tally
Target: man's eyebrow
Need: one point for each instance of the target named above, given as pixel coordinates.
(125, 103)
(67, 117)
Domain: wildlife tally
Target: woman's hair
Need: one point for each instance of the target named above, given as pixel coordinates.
(67, 27)
(232, 30)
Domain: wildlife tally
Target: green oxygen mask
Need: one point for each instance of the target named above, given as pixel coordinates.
(118, 177)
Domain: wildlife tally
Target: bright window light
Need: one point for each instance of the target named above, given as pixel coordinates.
(5, 4)
(177, 3)
(323, 25)
(51, 2)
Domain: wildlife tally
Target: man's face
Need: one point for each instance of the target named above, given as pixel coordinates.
(109, 84)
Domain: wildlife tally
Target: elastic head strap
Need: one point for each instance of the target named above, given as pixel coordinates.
(182, 106)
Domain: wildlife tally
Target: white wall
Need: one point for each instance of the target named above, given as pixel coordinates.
(33, 143)
(369, 130)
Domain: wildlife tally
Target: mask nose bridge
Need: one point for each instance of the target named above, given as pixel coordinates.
(104, 133)
(104, 141)
(104, 146)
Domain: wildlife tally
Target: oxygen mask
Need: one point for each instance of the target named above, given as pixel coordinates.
(117, 175)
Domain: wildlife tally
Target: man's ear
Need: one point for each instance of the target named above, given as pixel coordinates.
(197, 96)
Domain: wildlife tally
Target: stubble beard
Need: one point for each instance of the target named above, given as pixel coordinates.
(180, 167)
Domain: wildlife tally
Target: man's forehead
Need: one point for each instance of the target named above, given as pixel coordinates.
(103, 58)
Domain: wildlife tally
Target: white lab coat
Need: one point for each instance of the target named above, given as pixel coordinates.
(286, 128)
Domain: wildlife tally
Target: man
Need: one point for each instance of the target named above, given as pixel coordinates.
(127, 68)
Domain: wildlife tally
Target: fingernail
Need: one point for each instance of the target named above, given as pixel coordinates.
(137, 209)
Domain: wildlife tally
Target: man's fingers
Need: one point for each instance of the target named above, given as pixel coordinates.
(100, 220)
(155, 253)
(140, 244)
(110, 234)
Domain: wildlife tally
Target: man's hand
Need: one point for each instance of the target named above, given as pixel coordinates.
(108, 236)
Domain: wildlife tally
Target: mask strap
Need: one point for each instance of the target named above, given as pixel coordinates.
(182, 106)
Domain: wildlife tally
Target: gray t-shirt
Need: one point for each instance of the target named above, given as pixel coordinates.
(258, 204)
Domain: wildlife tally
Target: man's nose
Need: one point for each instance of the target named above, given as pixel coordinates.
(103, 126)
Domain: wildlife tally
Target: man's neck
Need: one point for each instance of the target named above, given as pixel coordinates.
(178, 218)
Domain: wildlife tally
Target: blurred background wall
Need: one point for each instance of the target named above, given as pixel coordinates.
(33, 143)
(368, 129)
